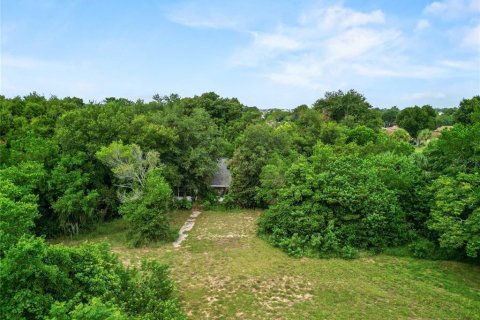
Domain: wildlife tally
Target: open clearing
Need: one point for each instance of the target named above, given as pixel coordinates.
(223, 271)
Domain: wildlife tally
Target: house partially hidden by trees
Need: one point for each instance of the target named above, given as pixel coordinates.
(222, 178)
(220, 182)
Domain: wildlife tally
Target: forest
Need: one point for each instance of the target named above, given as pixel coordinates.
(333, 180)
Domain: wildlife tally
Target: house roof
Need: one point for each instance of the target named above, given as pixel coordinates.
(222, 177)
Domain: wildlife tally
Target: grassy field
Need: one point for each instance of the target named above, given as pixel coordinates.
(223, 271)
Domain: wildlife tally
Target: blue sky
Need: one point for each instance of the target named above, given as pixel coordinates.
(266, 53)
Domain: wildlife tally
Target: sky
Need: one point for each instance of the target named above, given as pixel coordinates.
(266, 53)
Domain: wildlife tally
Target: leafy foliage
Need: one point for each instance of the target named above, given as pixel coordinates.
(39, 281)
(468, 111)
(17, 214)
(73, 199)
(331, 205)
(349, 107)
(415, 119)
(455, 214)
(147, 215)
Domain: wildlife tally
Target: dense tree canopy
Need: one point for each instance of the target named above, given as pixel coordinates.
(468, 111)
(332, 182)
(349, 107)
(333, 204)
(416, 118)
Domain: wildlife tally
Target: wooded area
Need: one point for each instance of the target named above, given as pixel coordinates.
(332, 179)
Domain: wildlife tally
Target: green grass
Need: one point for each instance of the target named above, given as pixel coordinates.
(223, 271)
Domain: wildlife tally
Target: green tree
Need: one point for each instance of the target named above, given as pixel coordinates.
(361, 135)
(389, 116)
(331, 204)
(39, 281)
(130, 165)
(468, 111)
(424, 136)
(72, 196)
(95, 309)
(401, 135)
(456, 150)
(254, 147)
(198, 148)
(455, 214)
(146, 215)
(18, 212)
(349, 106)
(415, 119)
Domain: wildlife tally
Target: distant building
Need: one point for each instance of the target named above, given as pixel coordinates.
(222, 178)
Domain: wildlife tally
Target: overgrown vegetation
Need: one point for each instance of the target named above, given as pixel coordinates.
(333, 181)
(224, 271)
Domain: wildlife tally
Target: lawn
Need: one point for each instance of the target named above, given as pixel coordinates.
(223, 271)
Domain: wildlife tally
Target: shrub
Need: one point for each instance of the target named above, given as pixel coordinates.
(422, 248)
(86, 282)
(455, 214)
(332, 203)
(183, 204)
(146, 215)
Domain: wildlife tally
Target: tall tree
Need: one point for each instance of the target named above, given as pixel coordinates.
(469, 111)
(415, 119)
(350, 107)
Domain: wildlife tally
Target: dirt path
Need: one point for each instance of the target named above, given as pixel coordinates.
(187, 226)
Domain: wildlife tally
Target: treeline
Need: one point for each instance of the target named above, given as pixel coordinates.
(66, 165)
(52, 144)
(335, 182)
(332, 179)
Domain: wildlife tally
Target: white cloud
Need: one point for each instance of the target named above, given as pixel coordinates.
(340, 17)
(422, 24)
(340, 31)
(452, 9)
(332, 47)
(210, 20)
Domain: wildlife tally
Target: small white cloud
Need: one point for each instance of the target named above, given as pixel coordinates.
(194, 20)
(452, 9)
(422, 24)
(340, 17)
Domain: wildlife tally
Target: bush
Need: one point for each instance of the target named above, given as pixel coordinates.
(455, 213)
(86, 282)
(349, 252)
(334, 205)
(229, 201)
(182, 204)
(422, 248)
(146, 215)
